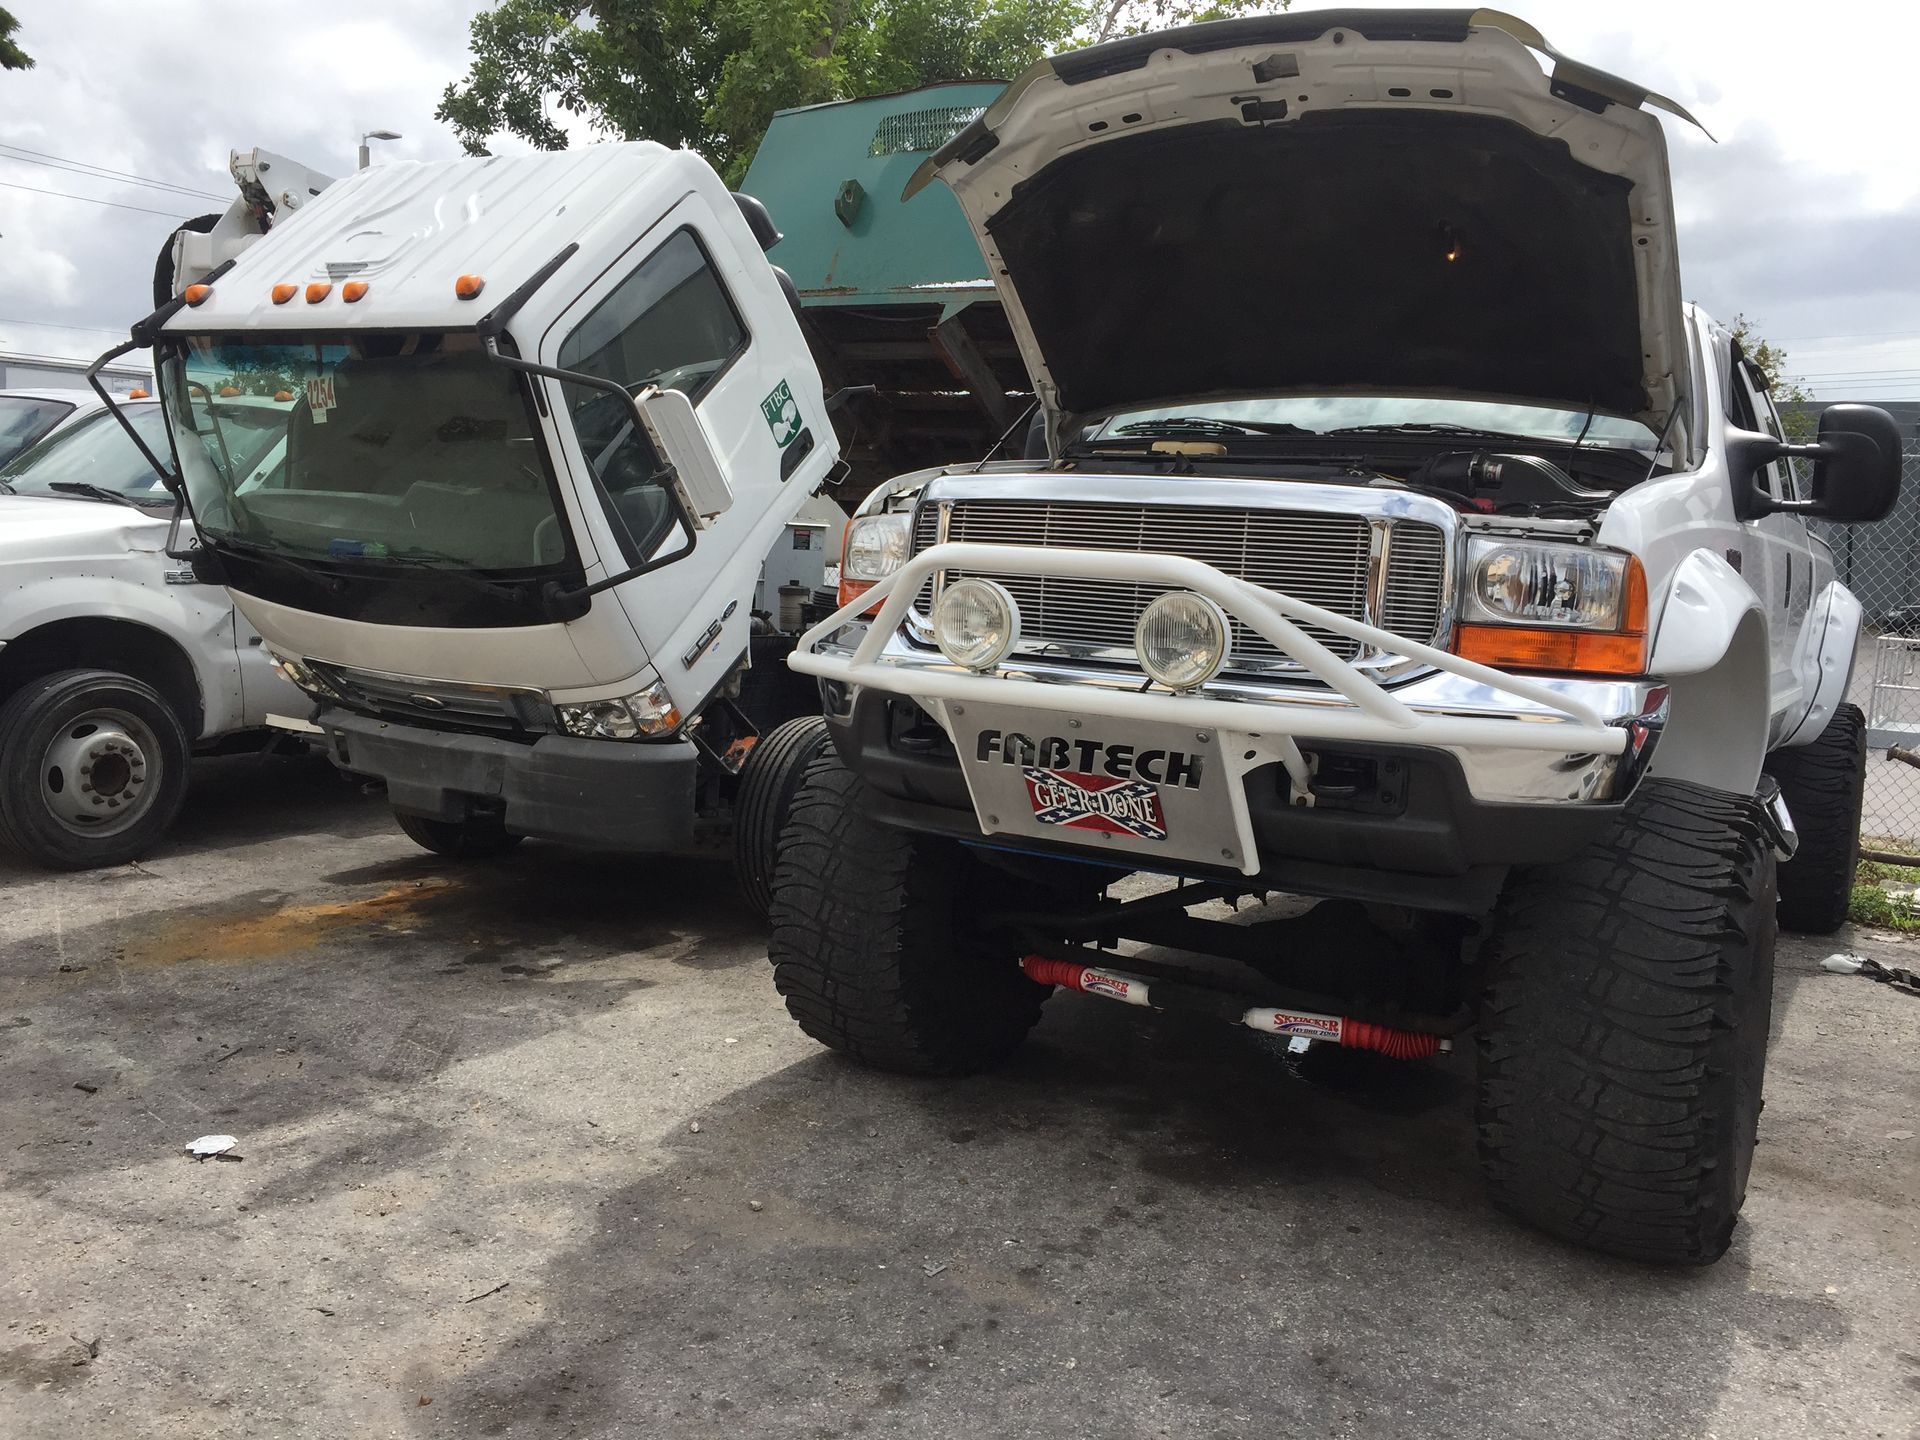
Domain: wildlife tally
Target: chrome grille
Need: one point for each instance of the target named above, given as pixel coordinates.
(1322, 558)
(440, 704)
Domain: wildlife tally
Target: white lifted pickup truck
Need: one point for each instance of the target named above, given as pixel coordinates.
(1403, 540)
(548, 416)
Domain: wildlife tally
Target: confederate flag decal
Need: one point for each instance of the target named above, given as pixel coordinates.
(1096, 802)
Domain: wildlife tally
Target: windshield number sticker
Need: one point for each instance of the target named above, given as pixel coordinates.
(320, 397)
(783, 416)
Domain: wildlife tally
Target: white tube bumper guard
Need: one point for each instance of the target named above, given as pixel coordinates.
(1244, 734)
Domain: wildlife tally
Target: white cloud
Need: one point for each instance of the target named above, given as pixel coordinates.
(1805, 215)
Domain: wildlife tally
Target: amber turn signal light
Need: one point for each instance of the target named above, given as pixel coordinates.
(468, 287)
(283, 293)
(197, 294)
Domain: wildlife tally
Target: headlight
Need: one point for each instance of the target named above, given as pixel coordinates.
(1547, 606)
(298, 672)
(1182, 639)
(875, 547)
(647, 712)
(976, 623)
(1521, 583)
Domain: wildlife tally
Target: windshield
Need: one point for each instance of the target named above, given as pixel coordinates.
(1324, 414)
(406, 448)
(96, 453)
(24, 419)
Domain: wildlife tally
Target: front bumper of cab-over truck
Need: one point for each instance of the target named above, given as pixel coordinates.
(604, 794)
(1420, 792)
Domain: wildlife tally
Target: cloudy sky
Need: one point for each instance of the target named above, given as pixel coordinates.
(1805, 215)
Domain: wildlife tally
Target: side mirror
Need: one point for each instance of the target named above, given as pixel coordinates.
(693, 469)
(1856, 475)
(1856, 467)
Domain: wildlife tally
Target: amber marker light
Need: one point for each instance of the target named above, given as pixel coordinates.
(318, 291)
(197, 294)
(468, 287)
(353, 290)
(283, 293)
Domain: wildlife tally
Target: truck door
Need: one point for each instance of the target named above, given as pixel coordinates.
(1782, 574)
(680, 311)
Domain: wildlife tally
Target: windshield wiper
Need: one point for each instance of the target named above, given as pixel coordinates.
(1207, 425)
(1438, 427)
(94, 492)
(6, 489)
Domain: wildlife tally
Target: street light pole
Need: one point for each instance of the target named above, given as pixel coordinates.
(366, 154)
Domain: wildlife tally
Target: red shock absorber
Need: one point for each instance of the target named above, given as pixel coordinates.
(1400, 1044)
(1043, 971)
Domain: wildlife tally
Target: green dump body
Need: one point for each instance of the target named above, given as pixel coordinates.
(895, 293)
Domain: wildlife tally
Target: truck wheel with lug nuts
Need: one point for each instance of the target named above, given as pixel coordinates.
(1822, 783)
(773, 772)
(1623, 1033)
(93, 769)
(479, 837)
(875, 945)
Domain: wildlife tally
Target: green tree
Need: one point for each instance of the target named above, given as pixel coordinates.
(709, 74)
(12, 57)
(1787, 391)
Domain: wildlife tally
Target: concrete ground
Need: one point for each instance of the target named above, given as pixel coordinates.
(531, 1149)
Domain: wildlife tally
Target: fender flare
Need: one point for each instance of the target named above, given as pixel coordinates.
(1833, 656)
(113, 599)
(1711, 650)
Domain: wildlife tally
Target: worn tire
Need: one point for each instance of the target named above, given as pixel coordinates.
(45, 715)
(773, 772)
(875, 946)
(1822, 783)
(1623, 1032)
(478, 838)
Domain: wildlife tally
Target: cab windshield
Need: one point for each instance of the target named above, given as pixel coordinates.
(411, 449)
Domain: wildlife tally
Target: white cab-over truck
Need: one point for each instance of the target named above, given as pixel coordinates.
(548, 416)
(1403, 539)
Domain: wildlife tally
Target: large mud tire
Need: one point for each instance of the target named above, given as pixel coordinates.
(1823, 783)
(876, 943)
(1623, 1032)
(773, 772)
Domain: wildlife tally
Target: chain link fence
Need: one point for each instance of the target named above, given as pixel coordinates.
(1881, 565)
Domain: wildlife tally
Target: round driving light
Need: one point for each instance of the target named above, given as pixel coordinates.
(976, 623)
(1182, 639)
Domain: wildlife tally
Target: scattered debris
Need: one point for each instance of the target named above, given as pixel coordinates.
(934, 1269)
(730, 1040)
(483, 1294)
(755, 1205)
(207, 1146)
(72, 969)
(92, 1347)
(1899, 1134)
(1905, 981)
(323, 1309)
(693, 1127)
(229, 1055)
(89, 1089)
(426, 1399)
(872, 1132)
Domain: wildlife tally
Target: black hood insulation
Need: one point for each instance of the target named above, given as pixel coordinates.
(1371, 251)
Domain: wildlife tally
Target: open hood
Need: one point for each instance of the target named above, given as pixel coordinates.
(1359, 201)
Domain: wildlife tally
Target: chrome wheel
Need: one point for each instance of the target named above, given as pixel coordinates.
(101, 773)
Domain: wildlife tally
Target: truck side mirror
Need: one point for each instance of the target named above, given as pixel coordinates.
(692, 467)
(1856, 477)
(1856, 467)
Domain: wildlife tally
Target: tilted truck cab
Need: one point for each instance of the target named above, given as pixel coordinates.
(548, 415)
(1404, 540)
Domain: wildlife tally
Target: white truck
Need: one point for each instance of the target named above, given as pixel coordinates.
(1404, 540)
(116, 663)
(547, 417)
